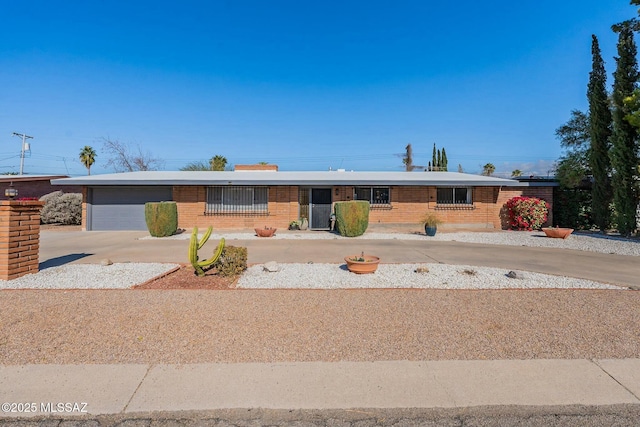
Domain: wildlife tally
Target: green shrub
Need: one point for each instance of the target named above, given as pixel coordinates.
(526, 213)
(572, 208)
(61, 208)
(161, 218)
(232, 262)
(352, 218)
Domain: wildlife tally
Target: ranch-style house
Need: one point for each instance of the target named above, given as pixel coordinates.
(259, 195)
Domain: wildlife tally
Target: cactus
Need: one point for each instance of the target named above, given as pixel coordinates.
(195, 246)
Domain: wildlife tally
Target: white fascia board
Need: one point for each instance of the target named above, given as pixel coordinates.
(324, 178)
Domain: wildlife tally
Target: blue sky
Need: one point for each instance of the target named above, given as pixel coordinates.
(305, 85)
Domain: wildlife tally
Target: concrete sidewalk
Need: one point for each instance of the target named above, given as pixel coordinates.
(38, 390)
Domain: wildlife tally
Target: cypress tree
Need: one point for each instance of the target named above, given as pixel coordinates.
(439, 164)
(600, 132)
(624, 158)
(445, 162)
(433, 160)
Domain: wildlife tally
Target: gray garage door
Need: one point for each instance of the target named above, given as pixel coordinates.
(122, 208)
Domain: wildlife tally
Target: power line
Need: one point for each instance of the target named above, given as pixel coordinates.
(24, 143)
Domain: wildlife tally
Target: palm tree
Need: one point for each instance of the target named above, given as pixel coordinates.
(218, 163)
(88, 157)
(516, 173)
(488, 169)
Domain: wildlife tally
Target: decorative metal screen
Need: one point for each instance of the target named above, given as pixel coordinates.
(237, 200)
(375, 195)
(454, 196)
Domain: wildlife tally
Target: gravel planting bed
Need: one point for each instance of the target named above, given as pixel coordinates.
(577, 241)
(439, 276)
(89, 276)
(305, 276)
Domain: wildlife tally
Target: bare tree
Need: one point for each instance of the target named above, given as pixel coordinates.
(122, 158)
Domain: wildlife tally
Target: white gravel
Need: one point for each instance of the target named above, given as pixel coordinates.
(439, 276)
(576, 241)
(122, 276)
(89, 276)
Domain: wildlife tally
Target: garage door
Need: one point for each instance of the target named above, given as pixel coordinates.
(122, 208)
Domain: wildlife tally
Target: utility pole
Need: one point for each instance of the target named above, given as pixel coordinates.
(24, 144)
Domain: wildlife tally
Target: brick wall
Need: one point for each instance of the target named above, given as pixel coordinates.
(191, 200)
(408, 205)
(37, 189)
(19, 238)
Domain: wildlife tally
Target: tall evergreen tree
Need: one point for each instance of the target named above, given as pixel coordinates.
(439, 163)
(434, 163)
(445, 165)
(624, 157)
(600, 132)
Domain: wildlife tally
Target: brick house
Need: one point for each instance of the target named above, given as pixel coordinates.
(250, 197)
(34, 186)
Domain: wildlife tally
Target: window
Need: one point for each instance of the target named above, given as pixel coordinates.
(237, 200)
(454, 196)
(374, 195)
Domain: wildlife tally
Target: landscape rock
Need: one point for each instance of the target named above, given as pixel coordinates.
(106, 261)
(422, 270)
(513, 275)
(271, 267)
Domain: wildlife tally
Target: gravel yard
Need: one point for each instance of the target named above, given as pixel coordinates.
(578, 241)
(305, 276)
(168, 326)
(69, 326)
(439, 276)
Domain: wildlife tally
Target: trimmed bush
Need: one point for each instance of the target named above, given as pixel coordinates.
(526, 213)
(352, 218)
(232, 262)
(61, 208)
(161, 218)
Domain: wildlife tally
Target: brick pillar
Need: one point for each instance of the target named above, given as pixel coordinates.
(19, 237)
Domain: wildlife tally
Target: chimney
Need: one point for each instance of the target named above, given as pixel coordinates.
(258, 167)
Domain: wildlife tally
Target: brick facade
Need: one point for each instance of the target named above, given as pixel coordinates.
(19, 238)
(35, 187)
(407, 205)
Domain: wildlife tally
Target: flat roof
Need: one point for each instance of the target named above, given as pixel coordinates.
(25, 177)
(301, 178)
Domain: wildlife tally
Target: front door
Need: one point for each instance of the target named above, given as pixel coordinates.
(320, 209)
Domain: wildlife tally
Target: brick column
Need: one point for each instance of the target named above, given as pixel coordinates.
(19, 237)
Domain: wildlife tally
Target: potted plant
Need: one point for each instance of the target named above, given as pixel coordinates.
(304, 223)
(362, 264)
(265, 232)
(294, 225)
(430, 221)
(557, 232)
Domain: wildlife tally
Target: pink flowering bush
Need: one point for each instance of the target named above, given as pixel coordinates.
(526, 213)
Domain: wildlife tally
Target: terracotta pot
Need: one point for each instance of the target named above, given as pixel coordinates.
(561, 233)
(369, 265)
(265, 232)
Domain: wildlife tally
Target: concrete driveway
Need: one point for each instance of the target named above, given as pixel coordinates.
(62, 247)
